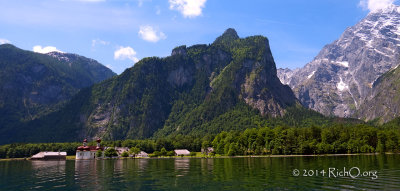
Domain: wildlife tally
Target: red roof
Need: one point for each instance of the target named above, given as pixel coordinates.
(90, 148)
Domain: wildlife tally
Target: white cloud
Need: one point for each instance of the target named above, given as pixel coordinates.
(373, 5)
(96, 42)
(4, 41)
(148, 33)
(45, 50)
(188, 8)
(125, 53)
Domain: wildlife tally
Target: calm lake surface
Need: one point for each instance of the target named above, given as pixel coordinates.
(377, 172)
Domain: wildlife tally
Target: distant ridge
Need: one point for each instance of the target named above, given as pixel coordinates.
(33, 84)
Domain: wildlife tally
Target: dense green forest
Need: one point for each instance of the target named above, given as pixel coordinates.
(333, 139)
(314, 140)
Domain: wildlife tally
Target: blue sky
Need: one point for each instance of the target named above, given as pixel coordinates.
(118, 33)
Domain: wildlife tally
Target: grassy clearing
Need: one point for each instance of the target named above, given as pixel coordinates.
(10, 159)
(71, 157)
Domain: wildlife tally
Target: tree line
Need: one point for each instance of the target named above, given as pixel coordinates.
(338, 139)
(157, 146)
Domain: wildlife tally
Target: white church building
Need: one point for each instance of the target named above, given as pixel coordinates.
(88, 152)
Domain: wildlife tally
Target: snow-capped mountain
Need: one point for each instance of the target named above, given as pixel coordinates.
(285, 75)
(342, 75)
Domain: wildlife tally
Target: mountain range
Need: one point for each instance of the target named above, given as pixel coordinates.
(230, 84)
(345, 78)
(185, 93)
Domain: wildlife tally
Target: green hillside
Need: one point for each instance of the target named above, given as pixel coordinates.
(33, 85)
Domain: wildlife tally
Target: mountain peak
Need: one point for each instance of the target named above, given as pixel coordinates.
(344, 66)
(180, 50)
(229, 35)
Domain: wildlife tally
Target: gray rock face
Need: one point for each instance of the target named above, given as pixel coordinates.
(285, 74)
(341, 76)
(179, 77)
(262, 89)
(181, 50)
(384, 101)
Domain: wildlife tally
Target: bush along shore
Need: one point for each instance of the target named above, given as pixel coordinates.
(337, 139)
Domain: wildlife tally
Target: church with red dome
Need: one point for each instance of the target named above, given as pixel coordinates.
(88, 152)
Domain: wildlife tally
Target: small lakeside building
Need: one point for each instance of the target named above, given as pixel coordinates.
(120, 150)
(88, 152)
(179, 152)
(142, 154)
(46, 155)
(207, 150)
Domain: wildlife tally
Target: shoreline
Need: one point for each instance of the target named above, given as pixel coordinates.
(215, 157)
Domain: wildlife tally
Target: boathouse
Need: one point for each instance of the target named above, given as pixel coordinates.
(179, 152)
(50, 156)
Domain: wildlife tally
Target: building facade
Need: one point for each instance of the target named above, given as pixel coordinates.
(180, 152)
(85, 152)
(50, 156)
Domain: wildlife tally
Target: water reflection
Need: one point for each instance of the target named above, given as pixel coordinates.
(49, 173)
(87, 174)
(197, 174)
(207, 165)
(142, 163)
(182, 166)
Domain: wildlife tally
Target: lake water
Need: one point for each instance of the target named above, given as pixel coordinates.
(368, 172)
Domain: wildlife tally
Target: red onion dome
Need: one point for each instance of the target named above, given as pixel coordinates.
(85, 140)
(98, 140)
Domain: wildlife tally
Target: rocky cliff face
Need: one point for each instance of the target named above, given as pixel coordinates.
(342, 75)
(262, 89)
(183, 93)
(285, 75)
(384, 102)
